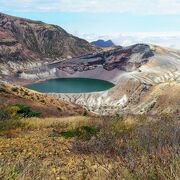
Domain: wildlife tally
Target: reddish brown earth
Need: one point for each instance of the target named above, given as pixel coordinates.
(46, 105)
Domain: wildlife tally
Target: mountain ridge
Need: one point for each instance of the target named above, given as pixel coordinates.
(19, 27)
(26, 43)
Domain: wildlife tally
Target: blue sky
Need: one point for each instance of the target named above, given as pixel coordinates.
(126, 22)
(106, 22)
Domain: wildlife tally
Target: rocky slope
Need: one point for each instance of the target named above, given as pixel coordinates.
(143, 76)
(25, 43)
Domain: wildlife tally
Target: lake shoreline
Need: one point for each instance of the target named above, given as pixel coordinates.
(70, 85)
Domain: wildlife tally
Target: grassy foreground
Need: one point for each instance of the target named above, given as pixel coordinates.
(79, 147)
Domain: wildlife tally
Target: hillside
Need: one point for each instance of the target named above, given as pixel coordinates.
(63, 144)
(42, 103)
(25, 43)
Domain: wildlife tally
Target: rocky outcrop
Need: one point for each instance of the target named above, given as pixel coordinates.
(124, 59)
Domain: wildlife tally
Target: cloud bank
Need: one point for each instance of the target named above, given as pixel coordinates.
(166, 39)
(141, 7)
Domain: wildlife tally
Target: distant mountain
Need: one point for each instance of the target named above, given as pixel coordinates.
(103, 43)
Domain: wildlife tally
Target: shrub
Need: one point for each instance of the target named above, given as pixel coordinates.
(59, 109)
(26, 93)
(70, 134)
(22, 110)
(2, 90)
(86, 132)
(14, 89)
(85, 113)
(83, 132)
(43, 101)
(11, 124)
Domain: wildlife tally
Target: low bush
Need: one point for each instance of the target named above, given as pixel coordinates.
(22, 111)
(11, 119)
(14, 89)
(86, 132)
(2, 89)
(59, 109)
(69, 134)
(85, 113)
(82, 132)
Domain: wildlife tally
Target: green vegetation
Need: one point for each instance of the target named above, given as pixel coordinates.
(14, 89)
(59, 109)
(2, 89)
(22, 110)
(83, 132)
(85, 113)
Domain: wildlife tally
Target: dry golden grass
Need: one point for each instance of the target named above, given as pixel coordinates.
(130, 147)
(72, 122)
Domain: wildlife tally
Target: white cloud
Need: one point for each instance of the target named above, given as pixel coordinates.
(166, 39)
(143, 7)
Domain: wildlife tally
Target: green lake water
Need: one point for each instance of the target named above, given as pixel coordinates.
(71, 85)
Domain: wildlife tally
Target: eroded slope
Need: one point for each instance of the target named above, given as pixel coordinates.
(25, 43)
